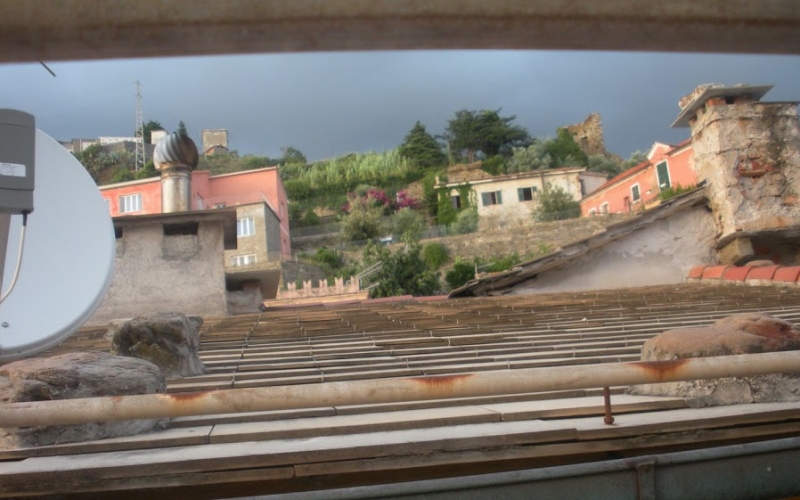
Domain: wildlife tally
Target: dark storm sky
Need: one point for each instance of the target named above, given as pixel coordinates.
(327, 104)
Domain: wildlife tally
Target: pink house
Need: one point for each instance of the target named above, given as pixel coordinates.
(639, 187)
(262, 186)
(262, 219)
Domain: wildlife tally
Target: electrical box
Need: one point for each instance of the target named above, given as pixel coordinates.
(17, 160)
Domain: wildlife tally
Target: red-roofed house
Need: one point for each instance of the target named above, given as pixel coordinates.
(639, 187)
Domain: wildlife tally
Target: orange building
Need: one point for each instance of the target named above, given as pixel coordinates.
(640, 187)
(262, 213)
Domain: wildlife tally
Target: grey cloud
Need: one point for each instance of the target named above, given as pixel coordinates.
(328, 104)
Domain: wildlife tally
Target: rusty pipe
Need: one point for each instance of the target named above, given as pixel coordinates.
(156, 406)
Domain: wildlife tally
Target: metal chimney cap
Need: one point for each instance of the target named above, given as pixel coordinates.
(175, 149)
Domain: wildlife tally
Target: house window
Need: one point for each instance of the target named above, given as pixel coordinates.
(245, 227)
(243, 260)
(592, 211)
(525, 194)
(635, 196)
(604, 208)
(130, 203)
(456, 202)
(492, 198)
(663, 176)
(201, 203)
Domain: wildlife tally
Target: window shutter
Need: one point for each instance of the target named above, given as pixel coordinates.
(486, 199)
(520, 194)
(499, 197)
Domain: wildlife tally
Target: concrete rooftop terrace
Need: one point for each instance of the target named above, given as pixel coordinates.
(237, 454)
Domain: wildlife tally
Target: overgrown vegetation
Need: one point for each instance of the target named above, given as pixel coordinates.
(461, 273)
(403, 272)
(435, 255)
(556, 204)
(674, 191)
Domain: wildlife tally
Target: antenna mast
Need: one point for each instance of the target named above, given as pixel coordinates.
(139, 128)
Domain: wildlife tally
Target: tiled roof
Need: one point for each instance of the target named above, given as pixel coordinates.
(233, 454)
(748, 274)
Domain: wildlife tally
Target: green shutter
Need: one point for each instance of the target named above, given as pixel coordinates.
(486, 199)
(499, 197)
(663, 175)
(520, 194)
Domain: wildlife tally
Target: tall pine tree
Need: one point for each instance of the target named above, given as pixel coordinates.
(422, 149)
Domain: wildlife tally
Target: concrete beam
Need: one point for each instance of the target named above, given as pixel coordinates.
(53, 30)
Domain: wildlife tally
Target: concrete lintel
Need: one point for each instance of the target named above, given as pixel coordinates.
(98, 29)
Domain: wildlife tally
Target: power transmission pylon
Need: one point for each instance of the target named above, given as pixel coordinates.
(139, 128)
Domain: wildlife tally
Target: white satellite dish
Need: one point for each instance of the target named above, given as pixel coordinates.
(68, 257)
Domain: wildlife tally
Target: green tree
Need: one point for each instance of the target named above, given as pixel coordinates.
(404, 272)
(421, 148)
(292, 156)
(556, 204)
(446, 214)
(460, 274)
(565, 151)
(604, 164)
(636, 158)
(408, 224)
(182, 128)
(533, 157)
(430, 195)
(486, 132)
(148, 129)
(363, 222)
(467, 221)
(435, 254)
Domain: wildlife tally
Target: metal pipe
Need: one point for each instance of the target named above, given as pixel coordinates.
(176, 156)
(154, 406)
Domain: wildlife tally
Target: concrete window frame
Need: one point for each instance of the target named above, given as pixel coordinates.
(604, 208)
(246, 226)
(129, 203)
(243, 260)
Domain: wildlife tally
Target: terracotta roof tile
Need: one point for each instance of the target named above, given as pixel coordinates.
(762, 273)
(787, 274)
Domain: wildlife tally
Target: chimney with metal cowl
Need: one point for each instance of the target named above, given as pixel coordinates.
(175, 156)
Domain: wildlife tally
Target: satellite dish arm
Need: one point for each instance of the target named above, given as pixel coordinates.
(19, 257)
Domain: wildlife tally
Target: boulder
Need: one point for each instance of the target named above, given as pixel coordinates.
(170, 340)
(76, 375)
(739, 334)
(746, 333)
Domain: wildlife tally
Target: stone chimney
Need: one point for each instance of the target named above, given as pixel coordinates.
(175, 156)
(749, 153)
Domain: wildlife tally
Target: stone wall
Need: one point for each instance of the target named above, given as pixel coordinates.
(529, 239)
(750, 154)
(589, 135)
(155, 272)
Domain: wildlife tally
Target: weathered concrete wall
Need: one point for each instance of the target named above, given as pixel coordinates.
(750, 154)
(512, 207)
(662, 253)
(265, 243)
(154, 272)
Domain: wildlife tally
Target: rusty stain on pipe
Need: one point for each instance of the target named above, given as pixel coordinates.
(153, 406)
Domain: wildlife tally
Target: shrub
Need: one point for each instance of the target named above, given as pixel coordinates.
(673, 191)
(460, 274)
(466, 221)
(362, 223)
(408, 224)
(435, 255)
(494, 165)
(404, 272)
(556, 204)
